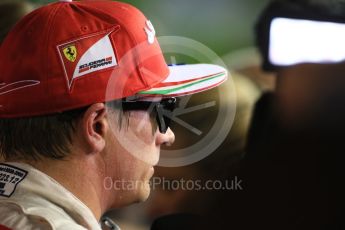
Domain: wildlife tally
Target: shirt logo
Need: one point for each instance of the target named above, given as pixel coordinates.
(70, 53)
(150, 31)
(10, 177)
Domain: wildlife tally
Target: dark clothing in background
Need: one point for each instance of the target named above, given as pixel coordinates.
(294, 178)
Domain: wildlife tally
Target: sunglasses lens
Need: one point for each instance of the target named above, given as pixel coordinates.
(163, 110)
(167, 106)
(163, 127)
(167, 122)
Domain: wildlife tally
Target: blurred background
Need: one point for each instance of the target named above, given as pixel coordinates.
(288, 150)
(286, 142)
(223, 25)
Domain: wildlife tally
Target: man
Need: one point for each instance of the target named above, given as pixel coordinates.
(85, 100)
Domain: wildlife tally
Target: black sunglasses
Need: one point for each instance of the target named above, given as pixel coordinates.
(163, 110)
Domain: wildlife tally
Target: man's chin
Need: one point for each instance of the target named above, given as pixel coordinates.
(144, 193)
(138, 196)
(145, 186)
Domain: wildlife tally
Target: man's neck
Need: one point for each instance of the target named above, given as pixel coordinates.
(80, 179)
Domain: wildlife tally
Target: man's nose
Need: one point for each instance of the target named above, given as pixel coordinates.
(167, 138)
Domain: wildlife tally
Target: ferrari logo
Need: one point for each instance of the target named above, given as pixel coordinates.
(70, 53)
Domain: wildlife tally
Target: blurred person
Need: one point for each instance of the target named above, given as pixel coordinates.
(293, 169)
(10, 13)
(247, 61)
(72, 101)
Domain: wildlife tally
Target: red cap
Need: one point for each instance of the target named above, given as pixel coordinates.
(64, 55)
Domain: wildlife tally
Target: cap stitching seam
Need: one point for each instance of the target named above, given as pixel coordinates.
(136, 43)
(45, 65)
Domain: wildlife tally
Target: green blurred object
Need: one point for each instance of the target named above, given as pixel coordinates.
(41, 1)
(222, 25)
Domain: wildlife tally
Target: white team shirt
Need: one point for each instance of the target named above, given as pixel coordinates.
(30, 199)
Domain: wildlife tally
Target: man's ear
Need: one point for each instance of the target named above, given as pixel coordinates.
(93, 127)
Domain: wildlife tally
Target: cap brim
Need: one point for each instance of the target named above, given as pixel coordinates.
(188, 79)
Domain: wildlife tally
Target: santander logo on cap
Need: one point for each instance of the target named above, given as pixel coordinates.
(150, 31)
